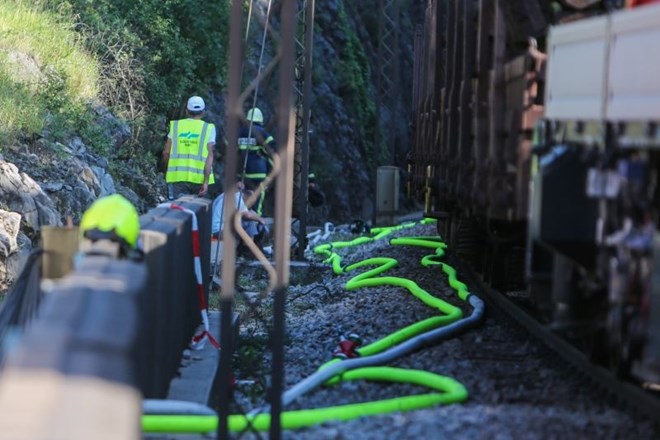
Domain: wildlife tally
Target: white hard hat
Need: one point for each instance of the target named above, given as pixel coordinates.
(196, 104)
(255, 115)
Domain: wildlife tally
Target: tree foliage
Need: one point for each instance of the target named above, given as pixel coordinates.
(179, 45)
(355, 77)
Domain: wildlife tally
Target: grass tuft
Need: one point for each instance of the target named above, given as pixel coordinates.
(43, 66)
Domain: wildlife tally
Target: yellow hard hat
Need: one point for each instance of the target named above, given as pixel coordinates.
(255, 115)
(112, 217)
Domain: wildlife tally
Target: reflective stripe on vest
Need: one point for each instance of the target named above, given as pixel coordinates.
(248, 143)
(188, 158)
(255, 175)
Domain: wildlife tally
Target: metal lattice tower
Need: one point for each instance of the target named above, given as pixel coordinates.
(302, 99)
(289, 84)
(388, 72)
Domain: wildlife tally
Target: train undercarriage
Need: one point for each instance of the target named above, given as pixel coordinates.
(539, 153)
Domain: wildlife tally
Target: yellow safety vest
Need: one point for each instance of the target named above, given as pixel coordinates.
(188, 156)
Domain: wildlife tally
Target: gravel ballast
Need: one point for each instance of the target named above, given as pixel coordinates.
(517, 388)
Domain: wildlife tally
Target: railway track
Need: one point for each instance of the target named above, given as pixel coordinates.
(517, 387)
(645, 402)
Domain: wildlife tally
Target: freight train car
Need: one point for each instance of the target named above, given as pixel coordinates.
(537, 146)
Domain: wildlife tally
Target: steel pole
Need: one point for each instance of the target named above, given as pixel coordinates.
(283, 207)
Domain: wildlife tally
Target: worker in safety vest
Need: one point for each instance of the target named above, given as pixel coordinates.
(111, 226)
(257, 147)
(188, 153)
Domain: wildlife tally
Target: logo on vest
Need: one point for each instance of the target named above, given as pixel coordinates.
(188, 135)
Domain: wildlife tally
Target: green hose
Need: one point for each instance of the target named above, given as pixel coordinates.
(369, 279)
(447, 389)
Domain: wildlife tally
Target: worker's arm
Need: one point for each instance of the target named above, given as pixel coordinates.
(208, 169)
(251, 215)
(266, 141)
(270, 145)
(166, 153)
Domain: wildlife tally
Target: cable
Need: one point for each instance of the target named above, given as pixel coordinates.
(402, 342)
(256, 89)
(305, 293)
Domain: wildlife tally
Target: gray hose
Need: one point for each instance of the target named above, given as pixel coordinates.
(175, 407)
(433, 336)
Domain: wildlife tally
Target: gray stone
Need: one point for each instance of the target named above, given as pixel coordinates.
(77, 146)
(52, 186)
(13, 264)
(106, 182)
(14, 247)
(25, 67)
(10, 223)
(23, 195)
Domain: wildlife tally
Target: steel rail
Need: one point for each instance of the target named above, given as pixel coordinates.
(646, 403)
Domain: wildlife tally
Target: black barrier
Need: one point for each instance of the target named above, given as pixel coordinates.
(155, 309)
(166, 297)
(127, 321)
(170, 307)
(88, 324)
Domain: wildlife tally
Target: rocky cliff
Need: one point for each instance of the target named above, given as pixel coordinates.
(44, 179)
(43, 182)
(343, 151)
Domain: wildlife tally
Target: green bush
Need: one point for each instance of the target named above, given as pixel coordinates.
(180, 45)
(140, 58)
(355, 77)
(43, 68)
(20, 112)
(153, 54)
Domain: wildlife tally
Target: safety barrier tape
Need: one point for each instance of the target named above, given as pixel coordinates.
(203, 333)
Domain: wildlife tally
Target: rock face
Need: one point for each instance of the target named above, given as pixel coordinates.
(342, 90)
(47, 182)
(14, 247)
(22, 195)
(68, 177)
(28, 207)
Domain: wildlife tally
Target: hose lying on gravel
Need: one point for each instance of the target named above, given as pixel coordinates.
(400, 343)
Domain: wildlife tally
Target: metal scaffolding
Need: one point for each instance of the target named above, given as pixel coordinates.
(290, 168)
(387, 96)
(302, 100)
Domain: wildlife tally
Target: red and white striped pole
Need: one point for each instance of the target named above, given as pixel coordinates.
(203, 332)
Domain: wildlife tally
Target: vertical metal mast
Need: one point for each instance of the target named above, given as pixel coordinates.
(303, 92)
(228, 266)
(289, 112)
(387, 96)
(283, 208)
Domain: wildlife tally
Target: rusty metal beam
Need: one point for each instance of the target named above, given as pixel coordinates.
(387, 96)
(283, 206)
(233, 112)
(303, 95)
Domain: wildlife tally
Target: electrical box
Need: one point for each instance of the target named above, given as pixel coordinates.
(387, 195)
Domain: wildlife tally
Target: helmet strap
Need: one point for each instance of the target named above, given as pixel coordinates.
(104, 246)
